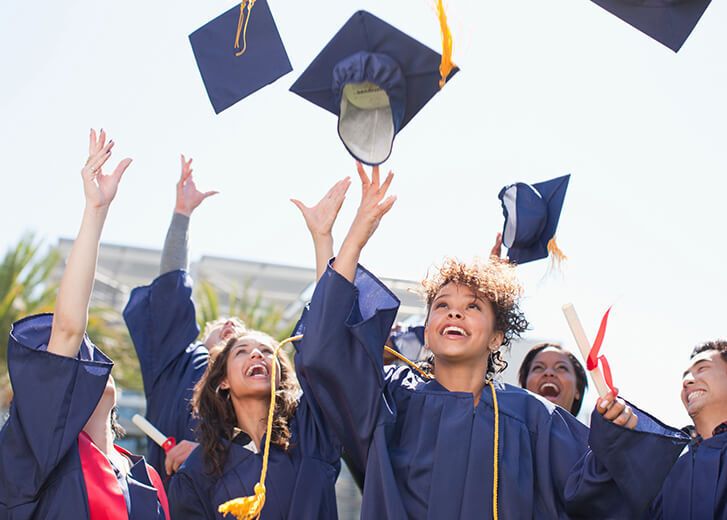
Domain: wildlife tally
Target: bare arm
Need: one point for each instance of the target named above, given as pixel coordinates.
(71, 312)
(320, 219)
(373, 207)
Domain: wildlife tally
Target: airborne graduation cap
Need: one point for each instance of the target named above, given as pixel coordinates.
(531, 218)
(239, 52)
(375, 79)
(669, 22)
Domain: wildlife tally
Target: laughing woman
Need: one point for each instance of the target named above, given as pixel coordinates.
(57, 456)
(462, 445)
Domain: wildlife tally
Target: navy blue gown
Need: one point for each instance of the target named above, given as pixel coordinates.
(162, 323)
(42, 448)
(428, 452)
(696, 487)
(300, 482)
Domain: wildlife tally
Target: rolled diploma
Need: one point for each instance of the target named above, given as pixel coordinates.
(585, 346)
(149, 429)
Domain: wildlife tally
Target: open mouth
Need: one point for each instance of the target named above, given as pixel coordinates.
(451, 331)
(257, 370)
(549, 390)
(695, 395)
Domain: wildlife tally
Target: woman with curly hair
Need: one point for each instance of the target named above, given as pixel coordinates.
(461, 444)
(552, 372)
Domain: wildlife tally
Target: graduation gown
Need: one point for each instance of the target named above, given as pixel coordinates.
(49, 468)
(696, 487)
(428, 452)
(162, 323)
(300, 483)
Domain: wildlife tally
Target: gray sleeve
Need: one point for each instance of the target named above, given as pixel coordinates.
(175, 253)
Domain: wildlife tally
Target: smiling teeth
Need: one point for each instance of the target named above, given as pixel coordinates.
(453, 329)
(549, 385)
(694, 395)
(251, 370)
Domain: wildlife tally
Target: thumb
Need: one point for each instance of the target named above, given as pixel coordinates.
(302, 207)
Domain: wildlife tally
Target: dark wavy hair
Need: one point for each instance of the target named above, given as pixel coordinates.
(719, 345)
(580, 372)
(493, 281)
(213, 406)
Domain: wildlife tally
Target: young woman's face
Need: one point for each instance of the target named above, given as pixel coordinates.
(249, 365)
(552, 376)
(461, 326)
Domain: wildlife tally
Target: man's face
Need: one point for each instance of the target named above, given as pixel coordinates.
(704, 385)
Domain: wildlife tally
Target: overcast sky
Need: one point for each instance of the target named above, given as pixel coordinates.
(546, 88)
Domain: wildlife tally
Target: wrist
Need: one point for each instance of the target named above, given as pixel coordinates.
(183, 211)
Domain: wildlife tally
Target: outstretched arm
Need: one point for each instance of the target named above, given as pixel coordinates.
(374, 205)
(175, 252)
(71, 312)
(320, 219)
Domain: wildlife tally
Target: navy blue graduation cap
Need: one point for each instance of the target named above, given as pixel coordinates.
(239, 52)
(669, 22)
(408, 342)
(375, 79)
(531, 218)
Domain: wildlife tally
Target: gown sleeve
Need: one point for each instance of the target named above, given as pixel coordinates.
(54, 396)
(185, 500)
(623, 470)
(162, 322)
(341, 356)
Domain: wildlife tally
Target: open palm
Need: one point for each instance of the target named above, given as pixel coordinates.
(321, 217)
(188, 196)
(99, 188)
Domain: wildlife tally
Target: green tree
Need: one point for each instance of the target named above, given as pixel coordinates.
(252, 310)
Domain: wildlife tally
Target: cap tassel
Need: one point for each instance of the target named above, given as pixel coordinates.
(402, 357)
(446, 65)
(242, 25)
(557, 257)
(250, 508)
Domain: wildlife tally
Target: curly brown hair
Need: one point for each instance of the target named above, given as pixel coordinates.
(493, 281)
(213, 406)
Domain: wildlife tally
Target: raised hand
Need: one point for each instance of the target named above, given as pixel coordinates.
(372, 208)
(188, 196)
(99, 188)
(496, 250)
(320, 218)
(374, 205)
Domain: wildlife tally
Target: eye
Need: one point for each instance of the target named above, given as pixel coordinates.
(440, 305)
(562, 368)
(473, 305)
(701, 369)
(537, 368)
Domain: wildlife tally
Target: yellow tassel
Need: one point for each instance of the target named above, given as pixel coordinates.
(495, 455)
(249, 508)
(446, 65)
(557, 257)
(242, 25)
(406, 360)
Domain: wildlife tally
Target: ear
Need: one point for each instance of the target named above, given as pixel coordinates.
(496, 341)
(224, 385)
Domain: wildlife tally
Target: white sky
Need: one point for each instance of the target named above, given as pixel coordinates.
(546, 88)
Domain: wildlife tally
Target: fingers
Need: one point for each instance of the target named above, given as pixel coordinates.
(302, 207)
(209, 194)
(365, 182)
(385, 206)
(92, 142)
(496, 250)
(121, 168)
(387, 183)
(375, 176)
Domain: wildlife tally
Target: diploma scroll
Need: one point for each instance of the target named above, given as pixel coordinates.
(167, 443)
(585, 347)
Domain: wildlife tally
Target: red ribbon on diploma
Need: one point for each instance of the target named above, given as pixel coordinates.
(594, 359)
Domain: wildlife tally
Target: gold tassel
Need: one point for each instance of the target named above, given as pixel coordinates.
(446, 65)
(406, 360)
(249, 508)
(495, 455)
(557, 257)
(242, 25)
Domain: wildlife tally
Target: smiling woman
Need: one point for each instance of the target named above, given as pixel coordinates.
(554, 373)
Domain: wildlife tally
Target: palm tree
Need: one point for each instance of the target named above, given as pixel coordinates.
(25, 288)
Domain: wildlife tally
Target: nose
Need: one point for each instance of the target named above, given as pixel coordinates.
(549, 372)
(687, 380)
(455, 314)
(256, 353)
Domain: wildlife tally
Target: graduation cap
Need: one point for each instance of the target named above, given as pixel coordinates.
(375, 79)
(531, 218)
(667, 21)
(239, 52)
